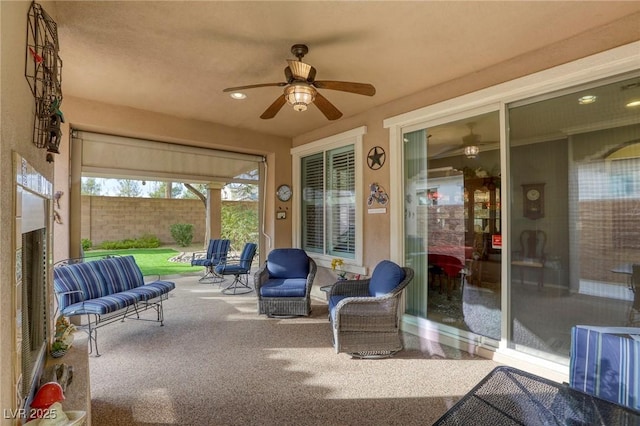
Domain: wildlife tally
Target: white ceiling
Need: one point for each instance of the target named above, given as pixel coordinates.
(177, 57)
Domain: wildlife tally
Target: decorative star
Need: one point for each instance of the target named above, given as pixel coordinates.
(376, 157)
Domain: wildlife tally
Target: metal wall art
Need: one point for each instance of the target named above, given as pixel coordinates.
(377, 194)
(376, 157)
(42, 69)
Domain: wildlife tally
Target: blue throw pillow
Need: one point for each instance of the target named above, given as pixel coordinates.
(288, 263)
(386, 276)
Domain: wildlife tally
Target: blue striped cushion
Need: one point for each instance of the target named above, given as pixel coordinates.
(120, 273)
(153, 290)
(284, 287)
(85, 277)
(605, 362)
(102, 305)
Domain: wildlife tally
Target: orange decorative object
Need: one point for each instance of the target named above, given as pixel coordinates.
(48, 394)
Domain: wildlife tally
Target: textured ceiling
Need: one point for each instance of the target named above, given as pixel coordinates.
(177, 57)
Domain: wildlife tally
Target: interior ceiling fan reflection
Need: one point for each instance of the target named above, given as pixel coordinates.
(470, 147)
(300, 88)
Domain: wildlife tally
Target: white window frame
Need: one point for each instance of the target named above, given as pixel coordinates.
(351, 137)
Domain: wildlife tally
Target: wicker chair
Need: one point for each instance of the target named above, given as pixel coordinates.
(283, 283)
(364, 313)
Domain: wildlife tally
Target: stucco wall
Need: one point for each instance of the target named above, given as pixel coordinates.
(119, 218)
(16, 127)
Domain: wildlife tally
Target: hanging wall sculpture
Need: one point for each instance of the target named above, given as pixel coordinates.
(43, 68)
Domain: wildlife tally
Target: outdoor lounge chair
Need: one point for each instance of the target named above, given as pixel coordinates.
(283, 283)
(240, 269)
(364, 313)
(216, 255)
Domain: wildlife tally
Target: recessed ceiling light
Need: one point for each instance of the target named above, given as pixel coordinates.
(238, 95)
(587, 99)
(633, 103)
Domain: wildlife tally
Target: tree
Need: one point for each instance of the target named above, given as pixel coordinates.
(160, 191)
(129, 188)
(90, 186)
(243, 191)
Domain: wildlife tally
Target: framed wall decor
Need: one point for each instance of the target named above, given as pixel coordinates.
(533, 200)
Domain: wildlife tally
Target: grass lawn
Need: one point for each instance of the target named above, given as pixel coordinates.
(151, 261)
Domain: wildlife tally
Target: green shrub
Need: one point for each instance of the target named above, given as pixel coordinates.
(239, 223)
(146, 241)
(86, 244)
(182, 233)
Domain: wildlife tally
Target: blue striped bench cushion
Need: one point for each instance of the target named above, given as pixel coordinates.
(103, 305)
(153, 290)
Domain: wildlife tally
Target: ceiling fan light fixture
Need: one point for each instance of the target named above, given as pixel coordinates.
(300, 95)
(238, 95)
(471, 151)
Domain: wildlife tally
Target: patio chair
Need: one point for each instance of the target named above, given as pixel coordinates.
(216, 254)
(283, 283)
(240, 269)
(364, 313)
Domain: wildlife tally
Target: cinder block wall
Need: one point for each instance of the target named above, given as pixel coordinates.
(118, 218)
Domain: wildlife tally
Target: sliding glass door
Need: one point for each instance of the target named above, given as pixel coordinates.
(575, 218)
(452, 223)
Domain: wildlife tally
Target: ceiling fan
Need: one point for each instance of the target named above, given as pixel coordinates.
(300, 88)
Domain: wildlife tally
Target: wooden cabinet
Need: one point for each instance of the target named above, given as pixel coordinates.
(482, 213)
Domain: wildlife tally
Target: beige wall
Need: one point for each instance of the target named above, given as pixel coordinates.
(16, 127)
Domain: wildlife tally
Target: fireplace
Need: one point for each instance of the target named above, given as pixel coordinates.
(32, 305)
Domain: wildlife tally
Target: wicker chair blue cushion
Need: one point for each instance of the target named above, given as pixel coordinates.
(283, 283)
(364, 313)
(288, 270)
(385, 278)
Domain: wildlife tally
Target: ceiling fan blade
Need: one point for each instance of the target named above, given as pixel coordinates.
(327, 108)
(274, 108)
(253, 86)
(346, 86)
(299, 69)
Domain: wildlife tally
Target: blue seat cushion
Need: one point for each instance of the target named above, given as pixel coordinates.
(230, 269)
(102, 305)
(284, 287)
(288, 263)
(333, 302)
(152, 290)
(386, 276)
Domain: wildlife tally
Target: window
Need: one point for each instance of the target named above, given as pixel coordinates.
(328, 202)
(328, 210)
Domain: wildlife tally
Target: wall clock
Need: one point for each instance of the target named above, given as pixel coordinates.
(533, 200)
(284, 193)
